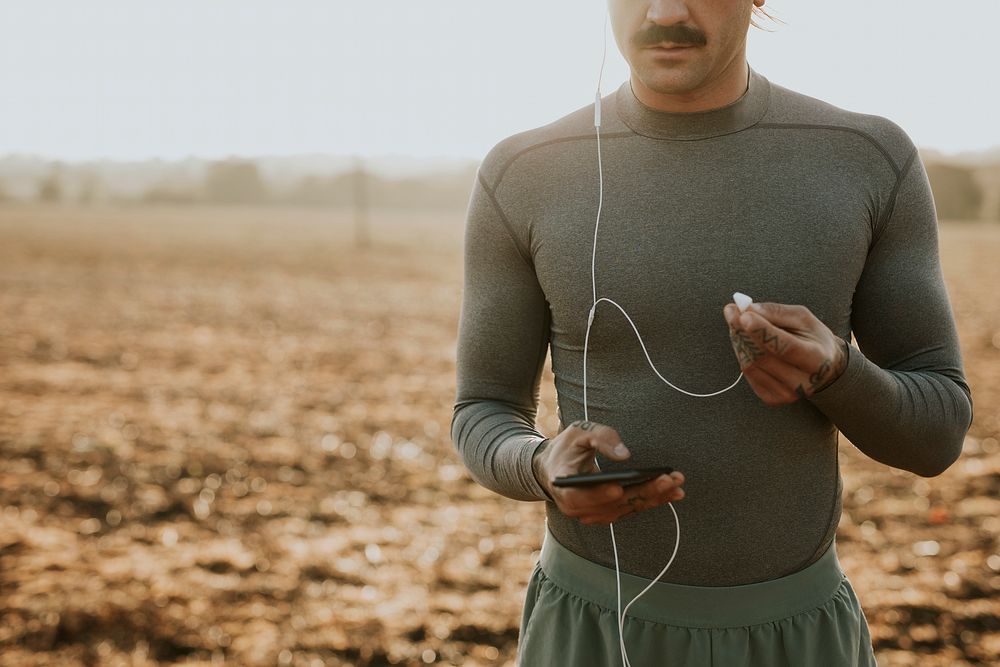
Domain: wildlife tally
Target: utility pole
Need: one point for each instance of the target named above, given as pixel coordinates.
(362, 231)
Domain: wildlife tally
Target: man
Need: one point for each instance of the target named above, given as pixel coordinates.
(713, 180)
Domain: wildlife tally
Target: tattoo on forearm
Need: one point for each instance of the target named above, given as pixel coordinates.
(584, 424)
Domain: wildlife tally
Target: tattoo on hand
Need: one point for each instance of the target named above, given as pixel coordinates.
(771, 341)
(746, 349)
(817, 379)
(827, 372)
(636, 502)
(584, 424)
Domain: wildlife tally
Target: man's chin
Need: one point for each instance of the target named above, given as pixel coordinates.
(675, 80)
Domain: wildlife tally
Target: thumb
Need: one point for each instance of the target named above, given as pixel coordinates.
(616, 451)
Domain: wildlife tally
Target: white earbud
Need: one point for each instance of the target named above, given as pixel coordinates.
(742, 301)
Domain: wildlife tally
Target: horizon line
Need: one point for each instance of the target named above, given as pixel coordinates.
(402, 157)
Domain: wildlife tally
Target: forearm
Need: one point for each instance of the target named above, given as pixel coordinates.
(912, 420)
(503, 340)
(497, 443)
(903, 399)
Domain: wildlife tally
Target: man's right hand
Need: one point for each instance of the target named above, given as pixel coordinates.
(572, 452)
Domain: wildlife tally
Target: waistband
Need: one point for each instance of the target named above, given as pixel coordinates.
(694, 606)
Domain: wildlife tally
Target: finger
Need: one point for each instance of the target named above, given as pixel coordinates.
(590, 499)
(649, 502)
(731, 312)
(601, 438)
(791, 317)
(650, 494)
(777, 341)
(770, 390)
(782, 371)
(746, 348)
(637, 496)
(661, 484)
(627, 509)
(638, 503)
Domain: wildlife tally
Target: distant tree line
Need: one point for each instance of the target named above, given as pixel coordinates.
(957, 193)
(961, 192)
(239, 182)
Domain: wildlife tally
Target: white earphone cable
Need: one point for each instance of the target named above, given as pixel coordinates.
(586, 343)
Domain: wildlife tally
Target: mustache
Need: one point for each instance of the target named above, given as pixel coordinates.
(677, 34)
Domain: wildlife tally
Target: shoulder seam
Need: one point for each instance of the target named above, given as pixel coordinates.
(791, 126)
(503, 219)
(891, 204)
(541, 144)
(842, 128)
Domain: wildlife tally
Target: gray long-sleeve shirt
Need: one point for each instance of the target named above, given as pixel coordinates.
(778, 195)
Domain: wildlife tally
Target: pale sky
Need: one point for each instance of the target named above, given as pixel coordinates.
(427, 78)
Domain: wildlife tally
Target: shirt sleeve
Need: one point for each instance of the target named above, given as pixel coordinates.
(503, 338)
(903, 399)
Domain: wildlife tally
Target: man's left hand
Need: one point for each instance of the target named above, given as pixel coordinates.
(785, 352)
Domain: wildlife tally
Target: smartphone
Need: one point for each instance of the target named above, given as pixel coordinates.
(624, 477)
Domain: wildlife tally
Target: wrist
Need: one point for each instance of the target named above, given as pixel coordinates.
(538, 468)
(840, 365)
(844, 352)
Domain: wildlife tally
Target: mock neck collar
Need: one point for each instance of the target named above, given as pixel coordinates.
(687, 125)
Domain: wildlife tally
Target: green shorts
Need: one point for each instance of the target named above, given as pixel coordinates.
(811, 617)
